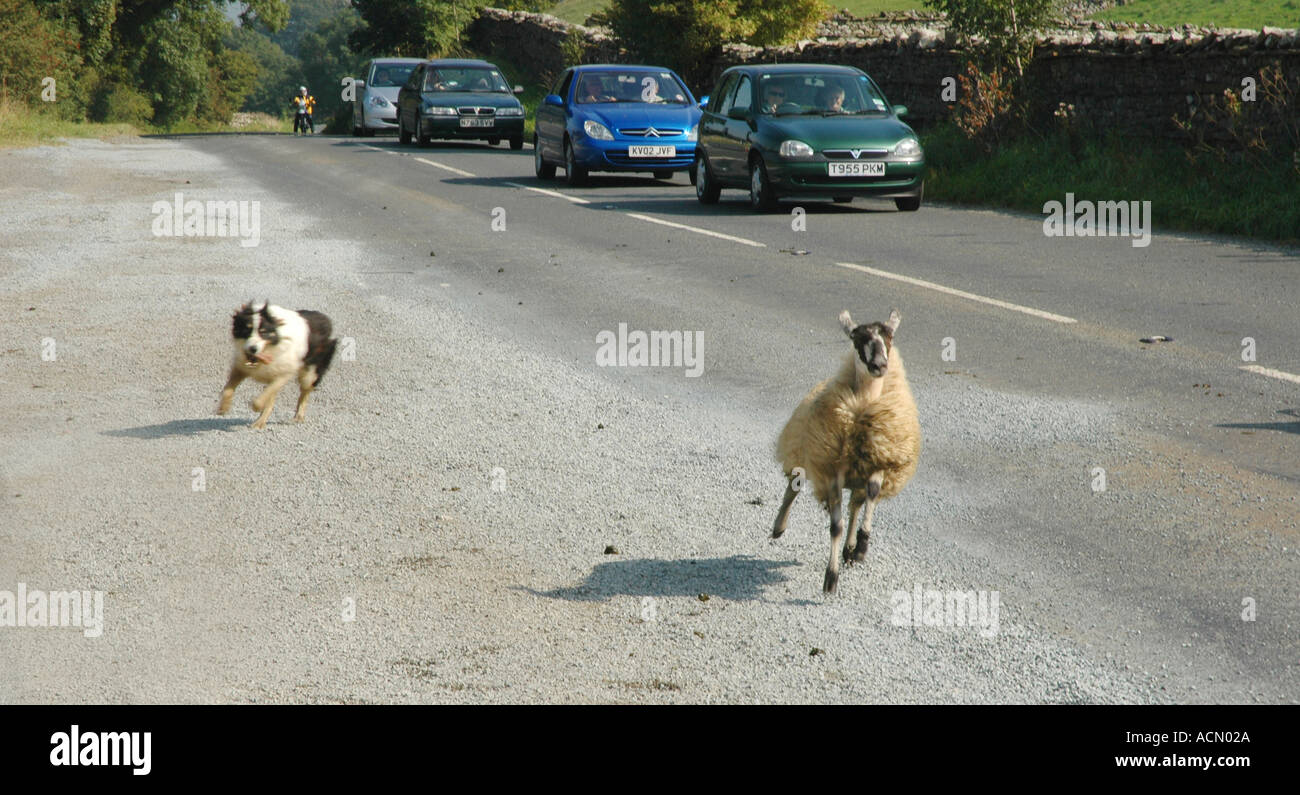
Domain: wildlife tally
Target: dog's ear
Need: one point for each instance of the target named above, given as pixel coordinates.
(892, 324)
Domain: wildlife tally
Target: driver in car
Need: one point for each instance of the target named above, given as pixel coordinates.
(593, 91)
(831, 99)
(773, 96)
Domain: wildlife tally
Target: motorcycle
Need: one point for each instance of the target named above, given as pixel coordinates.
(302, 121)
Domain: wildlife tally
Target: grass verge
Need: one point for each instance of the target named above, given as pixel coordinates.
(1192, 194)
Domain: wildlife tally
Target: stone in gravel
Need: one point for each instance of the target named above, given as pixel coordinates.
(704, 597)
(611, 550)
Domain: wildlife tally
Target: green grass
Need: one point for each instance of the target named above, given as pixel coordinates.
(1222, 13)
(577, 11)
(21, 126)
(1205, 196)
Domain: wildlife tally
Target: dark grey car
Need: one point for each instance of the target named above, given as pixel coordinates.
(459, 99)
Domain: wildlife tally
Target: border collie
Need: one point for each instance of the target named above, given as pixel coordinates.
(273, 345)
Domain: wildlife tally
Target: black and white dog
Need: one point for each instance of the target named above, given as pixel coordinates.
(273, 345)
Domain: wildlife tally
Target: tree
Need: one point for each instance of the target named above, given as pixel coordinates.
(1007, 26)
(419, 28)
(683, 34)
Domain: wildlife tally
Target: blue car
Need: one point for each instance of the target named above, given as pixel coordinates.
(616, 118)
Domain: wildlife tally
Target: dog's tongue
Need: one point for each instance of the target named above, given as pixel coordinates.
(263, 357)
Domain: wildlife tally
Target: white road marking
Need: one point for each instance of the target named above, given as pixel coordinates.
(377, 149)
(1254, 368)
(553, 193)
(697, 230)
(444, 168)
(959, 293)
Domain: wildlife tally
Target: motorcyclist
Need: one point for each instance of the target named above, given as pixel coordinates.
(303, 105)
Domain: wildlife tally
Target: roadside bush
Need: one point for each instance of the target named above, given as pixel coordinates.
(121, 103)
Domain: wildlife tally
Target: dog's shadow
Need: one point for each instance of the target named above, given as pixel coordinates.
(737, 578)
(190, 427)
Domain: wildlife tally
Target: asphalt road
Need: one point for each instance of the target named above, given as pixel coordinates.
(1131, 593)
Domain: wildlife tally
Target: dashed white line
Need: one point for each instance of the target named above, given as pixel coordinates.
(959, 293)
(697, 230)
(553, 193)
(1271, 373)
(444, 168)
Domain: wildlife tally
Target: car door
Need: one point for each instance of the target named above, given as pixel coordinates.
(359, 95)
(408, 98)
(739, 118)
(713, 125)
(549, 121)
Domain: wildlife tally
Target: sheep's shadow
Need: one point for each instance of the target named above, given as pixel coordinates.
(739, 578)
(191, 427)
(1286, 427)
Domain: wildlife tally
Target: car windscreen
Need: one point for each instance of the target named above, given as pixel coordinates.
(824, 93)
(650, 86)
(468, 78)
(391, 75)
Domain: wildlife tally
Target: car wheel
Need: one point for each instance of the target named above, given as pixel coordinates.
(517, 142)
(402, 135)
(493, 141)
(574, 174)
(420, 137)
(910, 204)
(843, 199)
(544, 170)
(707, 189)
(761, 195)
(663, 173)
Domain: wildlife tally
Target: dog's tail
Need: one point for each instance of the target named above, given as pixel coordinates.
(320, 348)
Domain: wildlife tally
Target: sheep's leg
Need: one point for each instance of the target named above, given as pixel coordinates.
(833, 501)
(864, 532)
(783, 515)
(856, 498)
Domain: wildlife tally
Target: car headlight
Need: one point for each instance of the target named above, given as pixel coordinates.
(595, 129)
(439, 110)
(795, 149)
(510, 111)
(378, 101)
(908, 147)
(693, 134)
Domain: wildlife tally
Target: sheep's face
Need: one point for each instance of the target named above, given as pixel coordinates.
(872, 341)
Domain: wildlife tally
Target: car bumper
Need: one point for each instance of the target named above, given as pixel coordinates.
(901, 178)
(613, 155)
(449, 127)
(382, 121)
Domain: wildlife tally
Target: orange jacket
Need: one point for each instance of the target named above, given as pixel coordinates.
(303, 104)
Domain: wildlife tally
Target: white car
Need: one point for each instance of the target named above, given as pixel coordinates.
(374, 107)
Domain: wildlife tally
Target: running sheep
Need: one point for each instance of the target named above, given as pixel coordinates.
(857, 431)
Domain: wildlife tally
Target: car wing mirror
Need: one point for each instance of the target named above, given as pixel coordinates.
(359, 83)
(518, 89)
(553, 99)
(704, 101)
(900, 111)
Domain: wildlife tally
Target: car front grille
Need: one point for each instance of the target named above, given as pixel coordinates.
(476, 111)
(649, 132)
(847, 154)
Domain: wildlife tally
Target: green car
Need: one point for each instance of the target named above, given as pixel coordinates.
(806, 131)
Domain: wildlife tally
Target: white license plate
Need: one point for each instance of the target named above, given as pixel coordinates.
(476, 122)
(867, 168)
(652, 151)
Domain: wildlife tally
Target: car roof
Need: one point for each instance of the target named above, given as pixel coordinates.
(451, 62)
(792, 68)
(591, 67)
(396, 60)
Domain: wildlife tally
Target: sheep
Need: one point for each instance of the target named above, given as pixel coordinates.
(858, 431)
